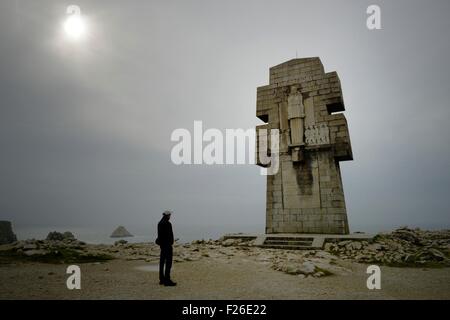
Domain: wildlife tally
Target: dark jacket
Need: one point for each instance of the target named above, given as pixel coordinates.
(165, 233)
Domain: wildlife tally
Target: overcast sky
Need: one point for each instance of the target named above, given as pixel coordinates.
(85, 126)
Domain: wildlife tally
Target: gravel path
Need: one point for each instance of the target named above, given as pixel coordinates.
(233, 278)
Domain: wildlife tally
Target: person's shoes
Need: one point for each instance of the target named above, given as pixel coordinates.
(170, 283)
(161, 282)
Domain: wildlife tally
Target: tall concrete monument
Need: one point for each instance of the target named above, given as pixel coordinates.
(304, 103)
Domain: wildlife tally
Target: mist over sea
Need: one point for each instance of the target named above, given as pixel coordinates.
(185, 233)
(101, 235)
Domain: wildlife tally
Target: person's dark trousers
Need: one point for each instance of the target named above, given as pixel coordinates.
(165, 259)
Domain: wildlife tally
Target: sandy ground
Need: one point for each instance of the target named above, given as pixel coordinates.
(235, 278)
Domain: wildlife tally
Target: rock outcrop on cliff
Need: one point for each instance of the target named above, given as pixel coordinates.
(402, 247)
(58, 236)
(6, 233)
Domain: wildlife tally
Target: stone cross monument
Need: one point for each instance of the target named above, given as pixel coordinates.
(304, 103)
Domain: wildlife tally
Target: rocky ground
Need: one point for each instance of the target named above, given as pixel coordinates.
(423, 256)
(402, 247)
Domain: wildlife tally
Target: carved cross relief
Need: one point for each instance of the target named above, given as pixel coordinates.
(296, 116)
(299, 136)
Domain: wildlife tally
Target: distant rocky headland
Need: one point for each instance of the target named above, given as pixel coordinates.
(6, 233)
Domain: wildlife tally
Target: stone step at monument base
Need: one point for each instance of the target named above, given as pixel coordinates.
(282, 240)
(286, 247)
(290, 243)
(296, 241)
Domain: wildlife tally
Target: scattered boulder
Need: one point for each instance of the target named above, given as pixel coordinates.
(242, 242)
(306, 268)
(344, 243)
(436, 254)
(319, 274)
(121, 232)
(40, 252)
(229, 242)
(375, 247)
(29, 246)
(58, 236)
(407, 234)
(55, 236)
(354, 245)
(68, 236)
(329, 246)
(7, 235)
(120, 242)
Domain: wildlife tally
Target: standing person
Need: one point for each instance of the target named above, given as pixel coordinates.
(165, 242)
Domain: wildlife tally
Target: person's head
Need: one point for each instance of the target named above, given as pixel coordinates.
(166, 215)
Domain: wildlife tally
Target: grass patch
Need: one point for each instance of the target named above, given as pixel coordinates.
(409, 264)
(428, 264)
(56, 256)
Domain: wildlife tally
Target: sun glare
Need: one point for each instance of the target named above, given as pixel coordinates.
(75, 27)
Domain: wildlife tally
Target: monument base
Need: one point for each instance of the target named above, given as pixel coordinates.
(297, 241)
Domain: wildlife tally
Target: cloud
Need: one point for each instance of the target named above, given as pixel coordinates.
(85, 131)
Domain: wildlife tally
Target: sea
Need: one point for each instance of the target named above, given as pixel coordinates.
(184, 234)
(102, 235)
